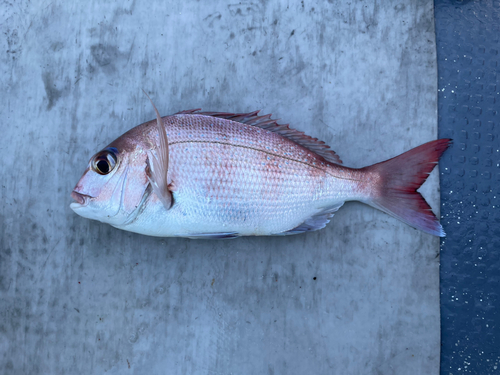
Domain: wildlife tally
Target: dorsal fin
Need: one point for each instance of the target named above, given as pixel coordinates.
(265, 122)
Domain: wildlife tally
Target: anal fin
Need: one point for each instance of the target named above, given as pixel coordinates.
(315, 222)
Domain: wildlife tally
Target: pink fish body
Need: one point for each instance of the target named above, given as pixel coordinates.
(221, 175)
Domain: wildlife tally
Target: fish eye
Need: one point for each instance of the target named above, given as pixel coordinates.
(104, 162)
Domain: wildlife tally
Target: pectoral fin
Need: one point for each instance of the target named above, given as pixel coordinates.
(157, 164)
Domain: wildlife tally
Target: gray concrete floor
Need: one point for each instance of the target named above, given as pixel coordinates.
(80, 297)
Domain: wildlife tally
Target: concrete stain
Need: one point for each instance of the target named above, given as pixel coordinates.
(104, 54)
(53, 94)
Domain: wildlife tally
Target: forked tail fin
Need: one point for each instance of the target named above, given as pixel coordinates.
(400, 177)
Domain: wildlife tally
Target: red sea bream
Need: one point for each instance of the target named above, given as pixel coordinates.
(222, 175)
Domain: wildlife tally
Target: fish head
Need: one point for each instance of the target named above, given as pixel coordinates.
(114, 184)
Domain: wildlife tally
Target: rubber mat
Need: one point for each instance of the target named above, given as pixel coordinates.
(469, 95)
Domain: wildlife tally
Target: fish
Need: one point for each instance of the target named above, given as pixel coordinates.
(220, 175)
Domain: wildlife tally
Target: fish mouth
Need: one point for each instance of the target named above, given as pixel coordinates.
(80, 199)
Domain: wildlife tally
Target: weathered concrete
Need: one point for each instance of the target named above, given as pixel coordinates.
(359, 297)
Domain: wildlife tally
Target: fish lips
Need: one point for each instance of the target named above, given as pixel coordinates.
(81, 200)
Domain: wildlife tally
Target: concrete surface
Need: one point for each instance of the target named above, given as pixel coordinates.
(80, 297)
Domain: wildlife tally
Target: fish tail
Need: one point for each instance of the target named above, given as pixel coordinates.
(398, 181)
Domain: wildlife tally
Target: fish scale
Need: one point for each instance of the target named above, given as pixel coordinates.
(226, 172)
(223, 175)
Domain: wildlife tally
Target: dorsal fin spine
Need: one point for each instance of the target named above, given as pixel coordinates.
(265, 122)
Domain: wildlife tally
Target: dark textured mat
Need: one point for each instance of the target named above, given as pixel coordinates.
(469, 71)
